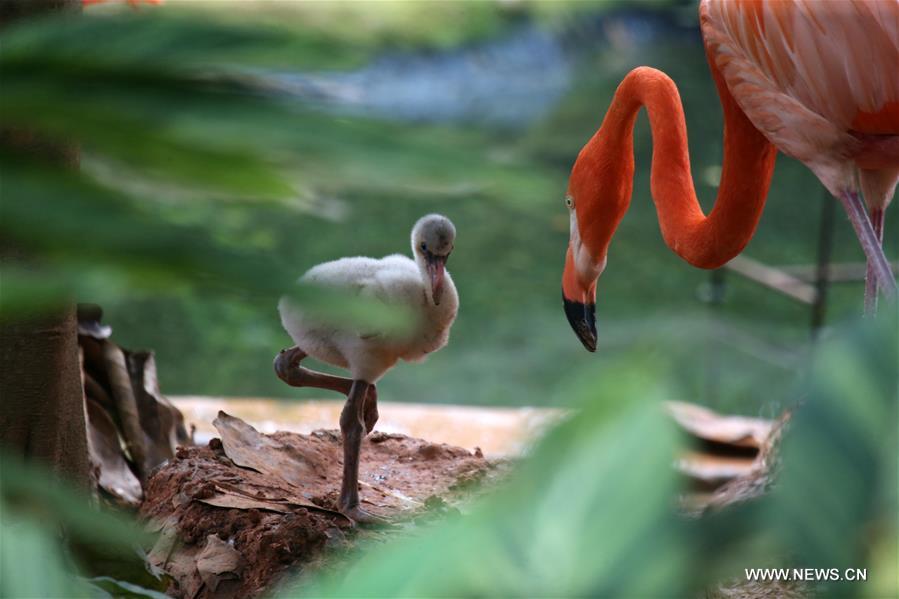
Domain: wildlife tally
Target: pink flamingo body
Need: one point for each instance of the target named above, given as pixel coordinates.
(820, 80)
(816, 80)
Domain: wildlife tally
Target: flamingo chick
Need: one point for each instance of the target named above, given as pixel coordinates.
(420, 285)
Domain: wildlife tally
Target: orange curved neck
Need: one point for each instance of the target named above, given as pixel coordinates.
(602, 179)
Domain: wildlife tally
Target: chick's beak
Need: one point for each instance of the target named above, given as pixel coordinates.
(436, 265)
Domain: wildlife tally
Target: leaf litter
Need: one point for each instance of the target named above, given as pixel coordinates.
(237, 516)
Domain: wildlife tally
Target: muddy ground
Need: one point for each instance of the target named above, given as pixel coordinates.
(238, 515)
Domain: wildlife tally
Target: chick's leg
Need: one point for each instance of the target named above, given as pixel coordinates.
(370, 409)
(287, 367)
(352, 429)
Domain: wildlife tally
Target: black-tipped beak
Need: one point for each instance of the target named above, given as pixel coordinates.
(582, 318)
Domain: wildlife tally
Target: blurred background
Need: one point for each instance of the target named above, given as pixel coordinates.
(478, 110)
(226, 147)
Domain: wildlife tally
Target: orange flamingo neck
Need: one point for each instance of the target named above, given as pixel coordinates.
(602, 179)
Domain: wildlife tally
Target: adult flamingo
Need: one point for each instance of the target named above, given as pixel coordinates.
(818, 81)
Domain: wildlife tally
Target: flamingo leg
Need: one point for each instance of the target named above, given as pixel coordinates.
(370, 409)
(357, 419)
(288, 369)
(877, 261)
(870, 275)
(352, 429)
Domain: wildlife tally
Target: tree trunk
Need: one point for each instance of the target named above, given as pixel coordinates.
(42, 415)
(43, 403)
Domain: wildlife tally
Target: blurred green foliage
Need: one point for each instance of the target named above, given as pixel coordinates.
(591, 507)
(199, 200)
(49, 532)
(161, 118)
(592, 511)
(123, 97)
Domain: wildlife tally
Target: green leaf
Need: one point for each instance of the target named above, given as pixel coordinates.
(28, 491)
(123, 589)
(31, 562)
(578, 518)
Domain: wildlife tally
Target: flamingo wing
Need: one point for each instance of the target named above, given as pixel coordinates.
(810, 74)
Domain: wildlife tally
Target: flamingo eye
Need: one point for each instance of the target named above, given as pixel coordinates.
(569, 201)
(424, 246)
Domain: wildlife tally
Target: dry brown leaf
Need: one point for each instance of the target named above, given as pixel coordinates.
(170, 557)
(240, 502)
(714, 468)
(248, 448)
(95, 391)
(256, 490)
(160, 555)
(273, 543)
(107, 457)
(706, 424)
(162, 423)
(126, 406)
(235, 497)
(735, 462)
(124, 383)
(218, 562)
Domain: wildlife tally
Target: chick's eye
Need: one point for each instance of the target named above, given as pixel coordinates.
(424, 246)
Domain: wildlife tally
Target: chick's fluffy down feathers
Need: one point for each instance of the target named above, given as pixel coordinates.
(395, 280)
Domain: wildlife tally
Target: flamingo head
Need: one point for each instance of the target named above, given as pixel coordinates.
(582, 270)
(433, 237)
(599, 191)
